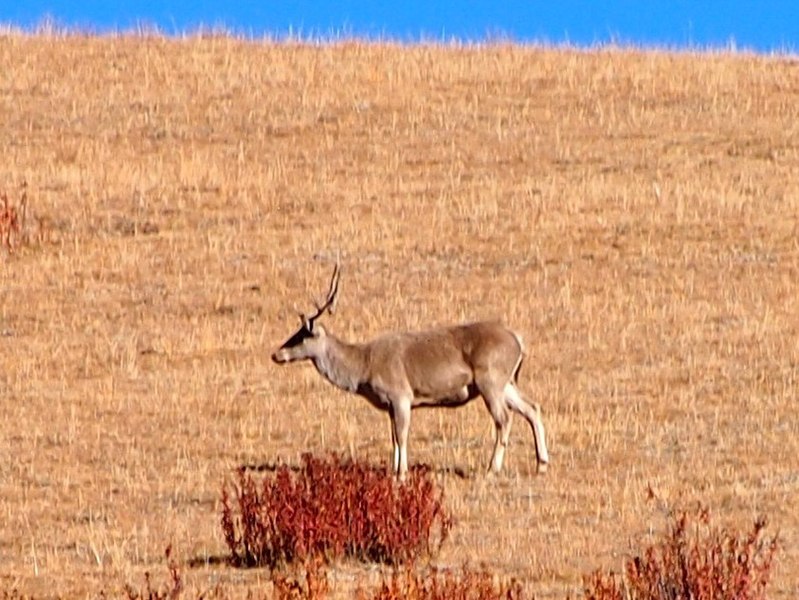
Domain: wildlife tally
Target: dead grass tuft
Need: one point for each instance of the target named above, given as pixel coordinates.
(169, 591)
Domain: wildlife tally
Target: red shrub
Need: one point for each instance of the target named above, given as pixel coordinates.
(10, 221)
(694, 561)
(444, 585)
(17, 226)
(332, 508)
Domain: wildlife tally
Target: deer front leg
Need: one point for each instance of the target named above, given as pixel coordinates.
(394, 445)
(401, 422)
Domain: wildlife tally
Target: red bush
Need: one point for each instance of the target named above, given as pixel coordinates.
(694, 561)
(444, 585)
(331, 508)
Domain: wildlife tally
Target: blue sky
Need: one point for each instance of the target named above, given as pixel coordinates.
(748, 25)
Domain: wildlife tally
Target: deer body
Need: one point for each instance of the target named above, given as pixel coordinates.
(446, 366)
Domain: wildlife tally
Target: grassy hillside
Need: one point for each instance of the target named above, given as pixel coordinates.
(633, 215)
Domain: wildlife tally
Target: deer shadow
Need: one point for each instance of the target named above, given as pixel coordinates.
(274, 466)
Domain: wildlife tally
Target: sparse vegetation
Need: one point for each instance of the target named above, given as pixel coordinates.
(307, 583)
(633, 214)
(10, 222)
(169, 591)
(693, 560)
(19, 226)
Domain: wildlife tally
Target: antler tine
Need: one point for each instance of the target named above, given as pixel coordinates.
(332, 294)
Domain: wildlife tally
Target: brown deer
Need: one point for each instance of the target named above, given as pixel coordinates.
(447, 366)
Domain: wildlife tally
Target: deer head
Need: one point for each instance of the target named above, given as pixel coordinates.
(308, 340)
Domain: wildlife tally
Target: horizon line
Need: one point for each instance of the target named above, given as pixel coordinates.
(49, 26)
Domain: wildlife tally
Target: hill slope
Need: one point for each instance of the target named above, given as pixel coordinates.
(634, 215)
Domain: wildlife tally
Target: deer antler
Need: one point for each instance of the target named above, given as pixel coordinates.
(332, 294)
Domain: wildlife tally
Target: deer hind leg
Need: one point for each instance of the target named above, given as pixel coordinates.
(500, 443)
(533, 415)
(497, 406)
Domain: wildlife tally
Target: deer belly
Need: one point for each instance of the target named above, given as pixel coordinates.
(457, 397)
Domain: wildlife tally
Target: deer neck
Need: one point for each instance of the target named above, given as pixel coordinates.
(342, 364)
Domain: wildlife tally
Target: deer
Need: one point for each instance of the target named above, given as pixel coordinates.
(441, 367)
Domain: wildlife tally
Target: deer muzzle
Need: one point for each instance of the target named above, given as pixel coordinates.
(281, 356)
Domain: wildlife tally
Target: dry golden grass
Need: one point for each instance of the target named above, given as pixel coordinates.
(633, 214)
